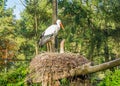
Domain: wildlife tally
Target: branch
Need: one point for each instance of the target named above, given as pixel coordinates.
(105, 66)
(91, 69)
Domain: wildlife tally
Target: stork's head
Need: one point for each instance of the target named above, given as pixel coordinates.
(59, 23)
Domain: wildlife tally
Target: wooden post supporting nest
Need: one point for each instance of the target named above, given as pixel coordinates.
(62, 46)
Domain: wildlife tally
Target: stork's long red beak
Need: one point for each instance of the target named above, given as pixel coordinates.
(61, 26)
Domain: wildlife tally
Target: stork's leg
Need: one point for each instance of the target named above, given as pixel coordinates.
(48, 47)
(53, 45)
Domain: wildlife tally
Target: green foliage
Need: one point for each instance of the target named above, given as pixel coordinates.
(111, 79)
(92, 28)
(7, 33)
(64, 82)
(14, 77)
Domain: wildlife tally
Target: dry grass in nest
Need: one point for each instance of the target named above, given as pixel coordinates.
(54, 66)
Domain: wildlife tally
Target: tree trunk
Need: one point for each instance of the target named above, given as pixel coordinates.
(36, 45)
(54, 18)
(54, 15)
(36, 29)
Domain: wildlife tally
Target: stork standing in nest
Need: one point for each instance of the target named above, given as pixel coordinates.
(48, 36)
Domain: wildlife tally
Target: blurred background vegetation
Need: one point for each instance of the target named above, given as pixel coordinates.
(92, 28)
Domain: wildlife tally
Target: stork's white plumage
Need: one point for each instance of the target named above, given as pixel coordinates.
(50, 32)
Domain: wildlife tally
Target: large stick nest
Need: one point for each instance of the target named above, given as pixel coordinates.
(47, 66)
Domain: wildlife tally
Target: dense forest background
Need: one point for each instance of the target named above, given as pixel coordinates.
(92, 28)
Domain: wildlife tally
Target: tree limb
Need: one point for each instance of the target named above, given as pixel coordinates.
(91, 69)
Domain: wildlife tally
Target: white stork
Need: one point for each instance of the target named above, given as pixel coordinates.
(50, 33)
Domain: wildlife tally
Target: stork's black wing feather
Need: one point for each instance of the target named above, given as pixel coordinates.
(44, 39)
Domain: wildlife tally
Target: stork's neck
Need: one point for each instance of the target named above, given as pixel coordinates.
(58, 25)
